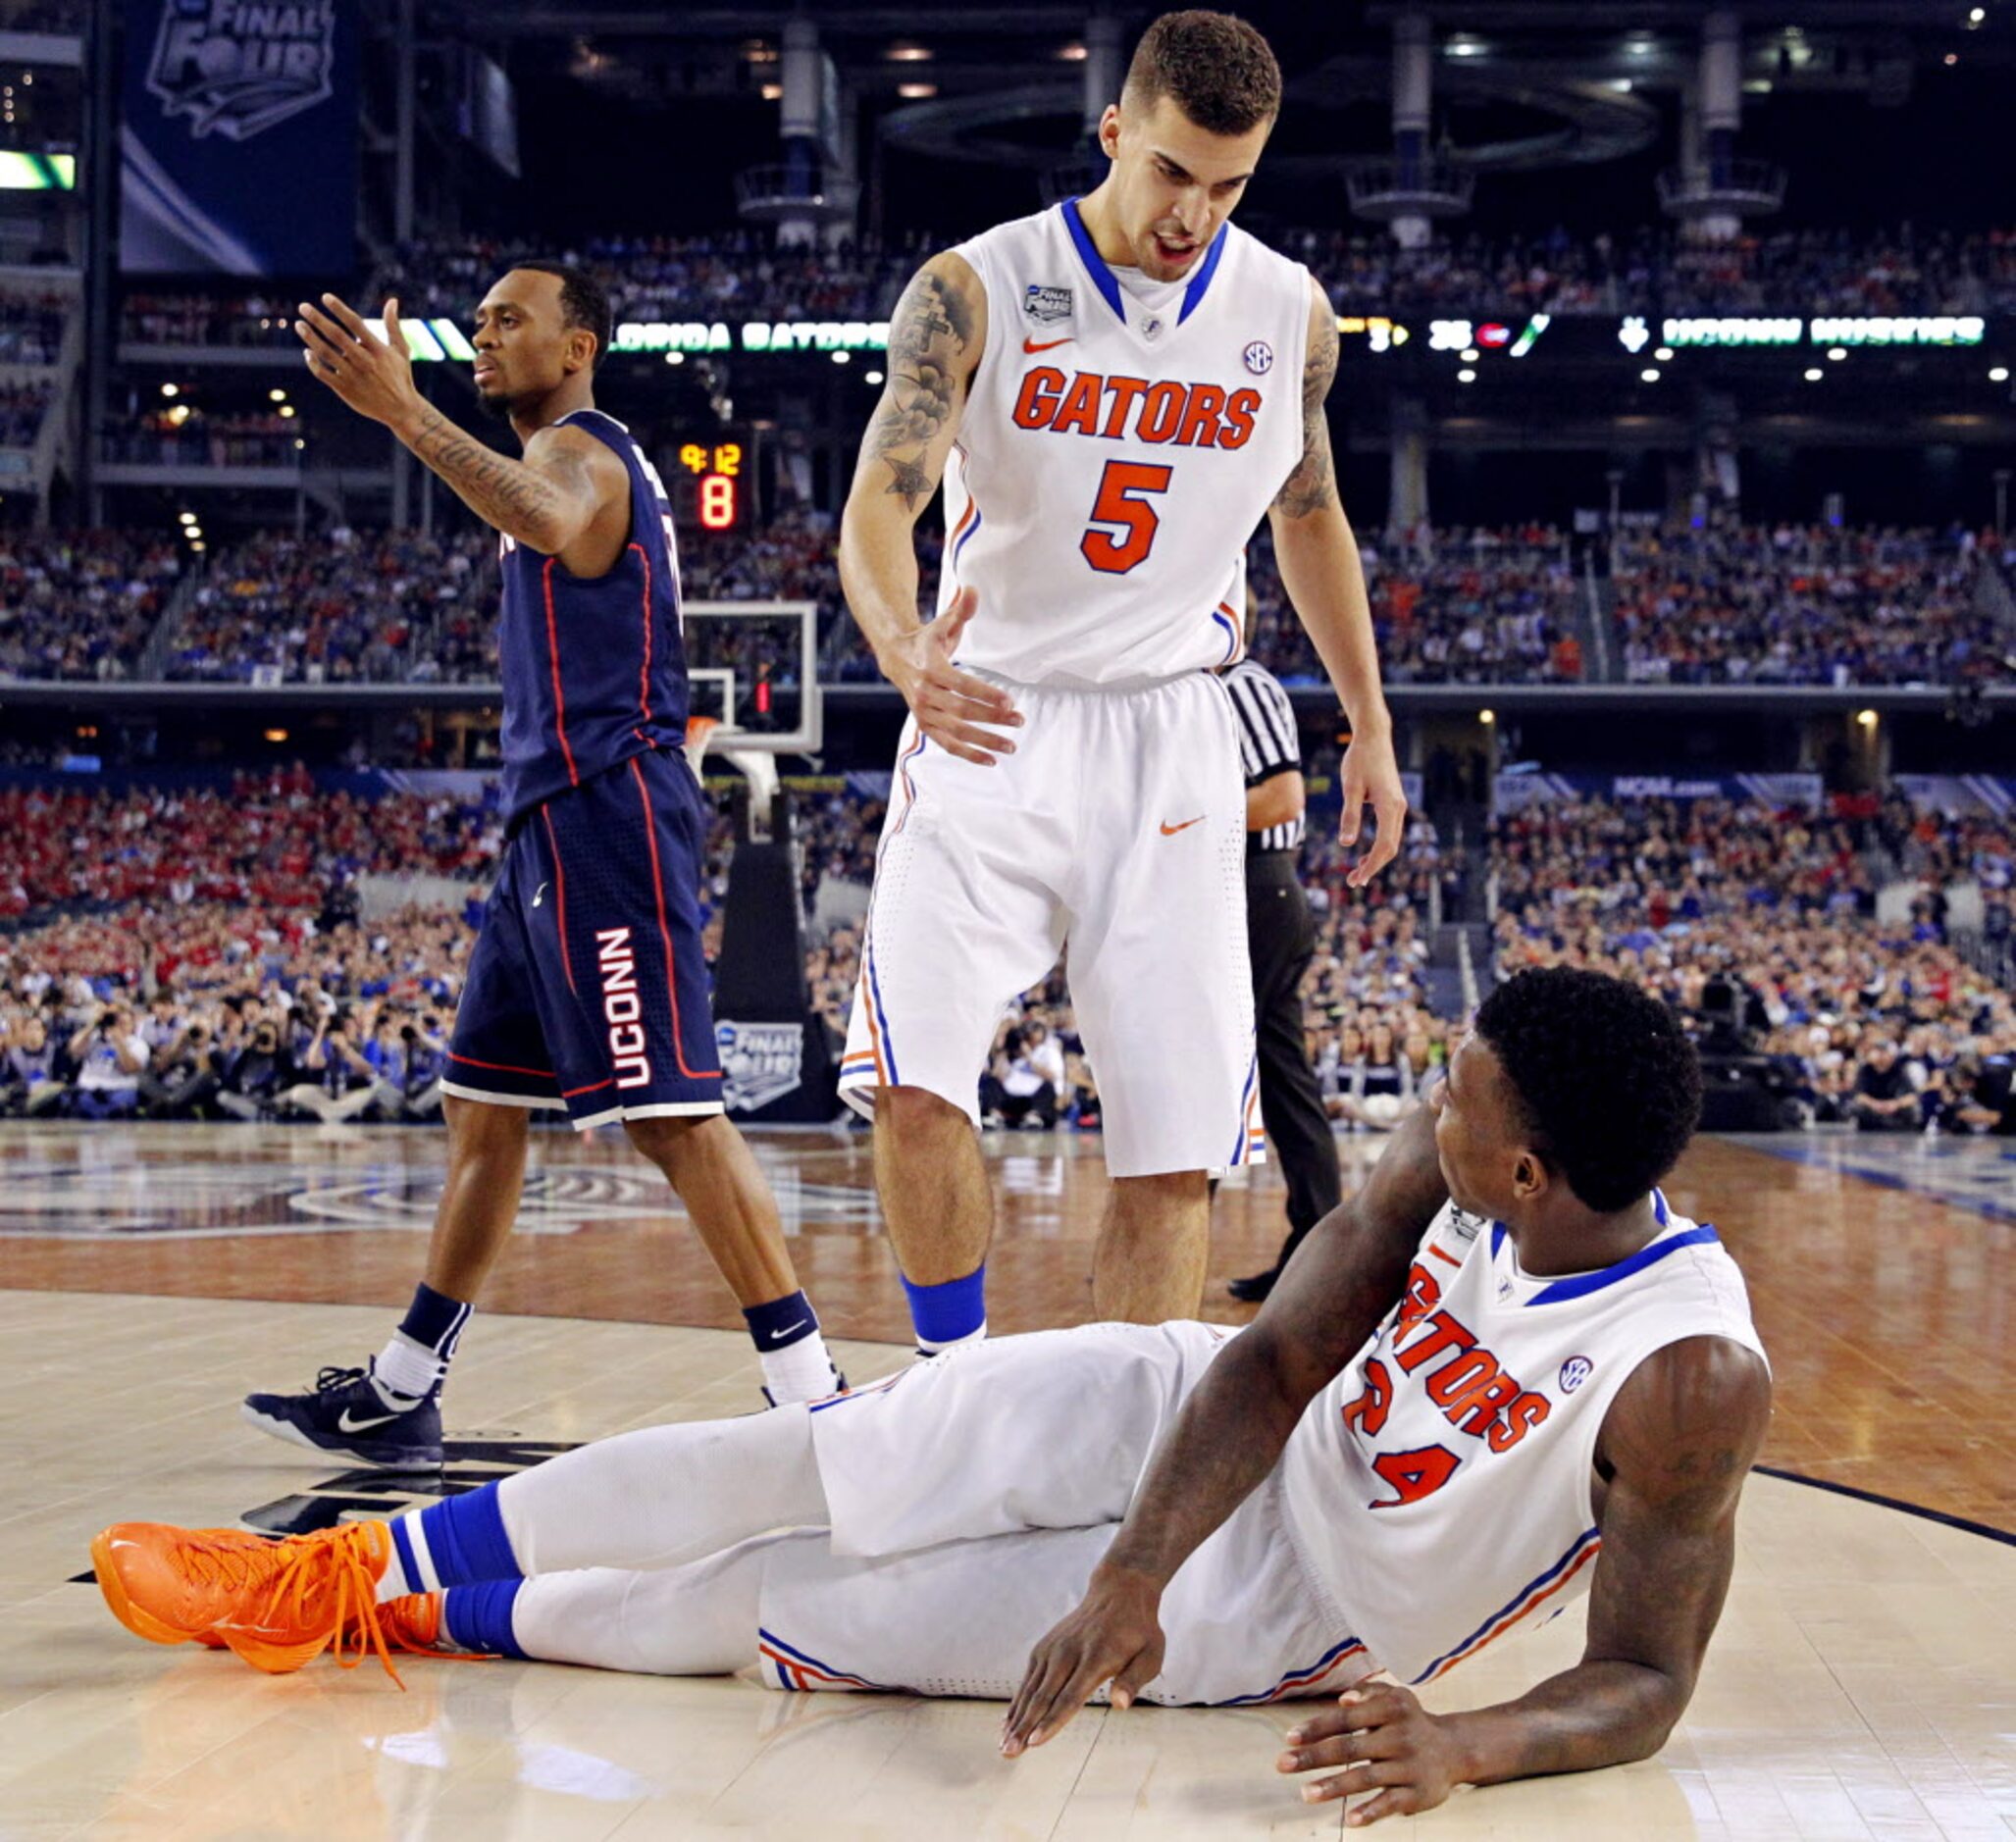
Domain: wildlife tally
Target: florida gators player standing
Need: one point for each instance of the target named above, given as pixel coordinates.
(587, 990)
(1115, 393)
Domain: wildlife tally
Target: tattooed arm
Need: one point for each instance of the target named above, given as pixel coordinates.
(1319, 568)
(570, 495)
(1676, 1446)
(935, 342)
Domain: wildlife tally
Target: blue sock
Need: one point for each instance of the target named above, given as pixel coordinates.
(457, 1543)
(435, 1321)
(949, 1313)
(478, 1617)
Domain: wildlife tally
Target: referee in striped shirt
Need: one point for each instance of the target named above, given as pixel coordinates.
(1280, 935)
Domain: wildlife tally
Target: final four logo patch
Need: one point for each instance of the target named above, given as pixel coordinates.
(239, 70)
(1260, 358)
(1046, 305)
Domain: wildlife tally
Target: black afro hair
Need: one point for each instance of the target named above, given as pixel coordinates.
(1609, 1083)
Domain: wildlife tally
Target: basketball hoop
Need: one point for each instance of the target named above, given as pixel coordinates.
(700, 731)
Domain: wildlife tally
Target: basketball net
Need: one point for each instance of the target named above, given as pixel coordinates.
(757, 766)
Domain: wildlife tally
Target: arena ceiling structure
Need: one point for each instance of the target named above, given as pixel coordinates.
(991, 101)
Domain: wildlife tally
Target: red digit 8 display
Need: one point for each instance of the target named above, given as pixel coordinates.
(715, 469)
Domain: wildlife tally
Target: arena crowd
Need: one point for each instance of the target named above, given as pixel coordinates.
(742, 274)
(1764, 923)
(218, 923)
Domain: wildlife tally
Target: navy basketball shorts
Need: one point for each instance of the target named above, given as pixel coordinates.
(587, 988)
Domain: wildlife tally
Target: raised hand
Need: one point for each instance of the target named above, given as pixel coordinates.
(951, 706)
(373, 375)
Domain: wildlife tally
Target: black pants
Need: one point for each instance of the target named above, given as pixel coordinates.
(1040, 1106)
(1280, 935)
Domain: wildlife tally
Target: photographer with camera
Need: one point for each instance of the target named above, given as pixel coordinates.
(30, 1086)
(341, 1087)
(183, 1076)
(407, 1060)
(111, 1055)
(260, 1068)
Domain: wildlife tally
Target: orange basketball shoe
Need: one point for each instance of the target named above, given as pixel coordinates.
(278, 1605)
(412, 1622)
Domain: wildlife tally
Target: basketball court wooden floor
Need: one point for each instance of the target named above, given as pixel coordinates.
(1863, 1683)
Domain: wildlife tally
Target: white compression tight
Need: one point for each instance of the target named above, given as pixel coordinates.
(665, 1495)
(699, 1619)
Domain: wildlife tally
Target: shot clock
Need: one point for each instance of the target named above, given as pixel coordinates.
(711, 478)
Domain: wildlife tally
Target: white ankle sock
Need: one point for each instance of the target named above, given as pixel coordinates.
(800, 1371)
(407, 1369)
(925, 1347)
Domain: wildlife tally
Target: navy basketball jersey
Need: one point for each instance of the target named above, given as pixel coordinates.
(594, 668)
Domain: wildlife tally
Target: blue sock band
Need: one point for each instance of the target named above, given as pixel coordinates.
(478, 1617)
(782, 1322)
(434, 1321)
(466, 1540)
(945, 1313)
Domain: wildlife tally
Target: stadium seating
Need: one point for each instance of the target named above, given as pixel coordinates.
(1779, 907)
(740, 274)
(31, 327)
(80, 604)
(238, 900)
(1765, 606)
(21, 408)
(1805, 605)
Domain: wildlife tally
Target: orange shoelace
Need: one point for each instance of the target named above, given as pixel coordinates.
(297, 1576)
(328, 1576)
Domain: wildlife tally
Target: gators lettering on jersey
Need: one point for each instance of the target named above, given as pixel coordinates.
(594, 669)
(1441, 1487)
(1116, 456)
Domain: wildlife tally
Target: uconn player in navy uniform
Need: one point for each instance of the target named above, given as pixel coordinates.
(587, 990)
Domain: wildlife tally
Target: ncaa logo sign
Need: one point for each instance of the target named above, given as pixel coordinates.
(1574, 1371)
(1260, 358)
(760, 1063)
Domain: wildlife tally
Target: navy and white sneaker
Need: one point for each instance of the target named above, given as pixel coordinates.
(348, 1412)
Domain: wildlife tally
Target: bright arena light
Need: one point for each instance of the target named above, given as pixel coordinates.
(1650, 375)
(1465, 377)
(1815, 375)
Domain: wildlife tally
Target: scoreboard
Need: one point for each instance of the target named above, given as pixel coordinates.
(712, 479)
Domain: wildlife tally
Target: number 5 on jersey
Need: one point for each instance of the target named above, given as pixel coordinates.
(1122, 501)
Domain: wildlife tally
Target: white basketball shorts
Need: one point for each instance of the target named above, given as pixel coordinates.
(972, 1499)
(1117, 829)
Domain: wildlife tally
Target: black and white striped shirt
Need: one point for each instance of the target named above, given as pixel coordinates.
(1268, 743)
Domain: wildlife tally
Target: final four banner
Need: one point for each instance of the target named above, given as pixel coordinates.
(238, 144)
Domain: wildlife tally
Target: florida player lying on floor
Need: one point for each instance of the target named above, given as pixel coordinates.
(1503, 1358)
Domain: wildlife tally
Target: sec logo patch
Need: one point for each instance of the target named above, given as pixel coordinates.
(1260, 358)
(1574, 1371)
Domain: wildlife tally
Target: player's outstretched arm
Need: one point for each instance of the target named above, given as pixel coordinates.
(1676, 1443)
(935, 340)
(1324, 579)
(547, 502)
(1346, 1276)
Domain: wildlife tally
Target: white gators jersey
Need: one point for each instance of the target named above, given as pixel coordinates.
(1114, 458)
(1439, 1490)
